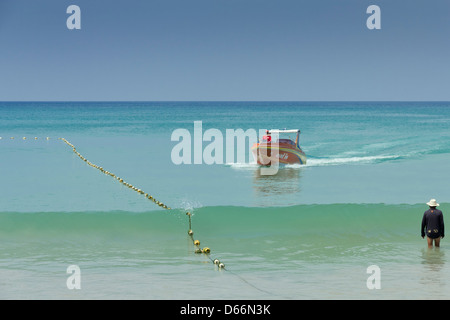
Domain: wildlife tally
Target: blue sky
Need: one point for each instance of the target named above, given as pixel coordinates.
(206, 50)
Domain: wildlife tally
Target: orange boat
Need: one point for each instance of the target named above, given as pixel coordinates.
(270, 149)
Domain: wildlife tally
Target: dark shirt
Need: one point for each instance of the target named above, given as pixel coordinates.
(433, 223)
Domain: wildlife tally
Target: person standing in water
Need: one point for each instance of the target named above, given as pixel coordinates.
(433, 224)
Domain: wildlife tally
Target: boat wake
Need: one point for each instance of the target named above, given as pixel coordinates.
(317, 162)
(325, 161)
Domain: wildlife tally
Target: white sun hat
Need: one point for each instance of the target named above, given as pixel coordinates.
(433, 203)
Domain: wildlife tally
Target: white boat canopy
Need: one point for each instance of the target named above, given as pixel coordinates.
(283, 131)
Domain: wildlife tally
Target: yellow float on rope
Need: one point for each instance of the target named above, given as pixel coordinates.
(206, 250)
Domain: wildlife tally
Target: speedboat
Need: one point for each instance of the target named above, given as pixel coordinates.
(271, 149)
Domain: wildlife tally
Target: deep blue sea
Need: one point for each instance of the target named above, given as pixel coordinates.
(308, 232)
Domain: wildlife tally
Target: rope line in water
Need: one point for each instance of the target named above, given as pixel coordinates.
(129, 185)
(196, 243)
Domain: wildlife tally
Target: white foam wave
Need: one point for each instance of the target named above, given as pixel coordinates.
(241, 165)
(190, 205)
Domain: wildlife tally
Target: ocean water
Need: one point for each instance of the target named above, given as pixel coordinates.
(308, 232)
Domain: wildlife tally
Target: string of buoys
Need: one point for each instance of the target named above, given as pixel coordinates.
(25, 138)
(129, 185)
(204, 250)
(196, 243)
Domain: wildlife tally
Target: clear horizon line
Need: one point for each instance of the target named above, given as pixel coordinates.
(143, 101)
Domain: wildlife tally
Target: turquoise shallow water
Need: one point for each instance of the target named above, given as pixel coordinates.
(298, 252)
(308, 232)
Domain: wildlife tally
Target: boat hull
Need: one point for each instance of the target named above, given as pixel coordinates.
(266, 154)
